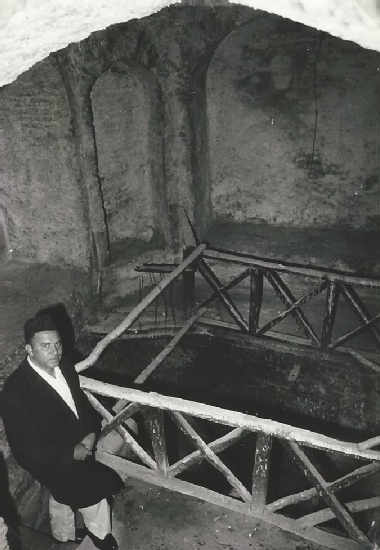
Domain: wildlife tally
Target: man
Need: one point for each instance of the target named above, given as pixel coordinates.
(52, 431)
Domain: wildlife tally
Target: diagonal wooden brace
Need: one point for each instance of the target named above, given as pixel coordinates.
(210, 455)
(216, 446)
(208, 274)
(121, 417)
(139, 451)
(334, 486)
(285, 295)
(312, 474)
(317, 290)
(359, 308)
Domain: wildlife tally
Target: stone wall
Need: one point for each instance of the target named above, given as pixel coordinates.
(272, 159)
(43, 204)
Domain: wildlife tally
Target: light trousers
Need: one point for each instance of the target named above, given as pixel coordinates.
(97, 519)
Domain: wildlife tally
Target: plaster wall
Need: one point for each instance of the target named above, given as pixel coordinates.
(43, 207)
(272, 159)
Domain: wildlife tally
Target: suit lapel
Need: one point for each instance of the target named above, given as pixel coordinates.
(75, 390)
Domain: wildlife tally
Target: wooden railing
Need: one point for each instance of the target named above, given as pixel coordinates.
(151, 461)
(337, 286)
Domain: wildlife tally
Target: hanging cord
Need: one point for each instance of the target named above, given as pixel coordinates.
(321, 37)
(154, 284)
(165, 300)
(171, 301)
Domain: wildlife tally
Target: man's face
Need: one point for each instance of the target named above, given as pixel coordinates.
(45, 350)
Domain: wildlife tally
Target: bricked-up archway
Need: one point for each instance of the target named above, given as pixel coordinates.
(128, 114)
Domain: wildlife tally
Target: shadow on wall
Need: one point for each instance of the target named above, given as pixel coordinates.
(58, 313)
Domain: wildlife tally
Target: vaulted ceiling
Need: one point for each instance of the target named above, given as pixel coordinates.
(31, 29)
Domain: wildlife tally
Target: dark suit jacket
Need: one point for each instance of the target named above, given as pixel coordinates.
(42, 432)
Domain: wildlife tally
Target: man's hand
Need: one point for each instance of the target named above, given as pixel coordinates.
(81, 452)
(89, 441)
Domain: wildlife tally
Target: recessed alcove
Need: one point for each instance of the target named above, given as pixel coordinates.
(127, 113)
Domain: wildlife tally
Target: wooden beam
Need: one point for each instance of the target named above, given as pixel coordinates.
(260, 474)
(216, 446)
(334, 486)
(210, 277)
(138, 310)
(332, 300)
(327, 514)
(210, 456)
(369, 443)
(288, 299)
(225, 288)
(286, 267)
(359, 308)
(120, 417)
(323, 490)
(229, 418)
(290, 339)
(295, 306)
(157, 361)
(139, 451)
(354, 332)
(127, 468)
(142, 377)
(255, 298)
(363, 360)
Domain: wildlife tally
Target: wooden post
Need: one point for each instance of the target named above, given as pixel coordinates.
(332, 299)
(157, 431)
(188, 278)
(255, 298)
(260, 474)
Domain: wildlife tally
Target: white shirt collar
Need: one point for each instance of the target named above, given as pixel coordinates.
(58, 383)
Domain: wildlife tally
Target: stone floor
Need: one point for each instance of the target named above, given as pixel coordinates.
(152, 518)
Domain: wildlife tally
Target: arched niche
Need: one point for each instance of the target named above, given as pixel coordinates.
(292, 128)
(127, 114)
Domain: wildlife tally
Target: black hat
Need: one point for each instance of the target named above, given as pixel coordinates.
(39, 323)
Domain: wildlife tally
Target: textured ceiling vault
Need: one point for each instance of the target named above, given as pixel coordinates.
(31, 29)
